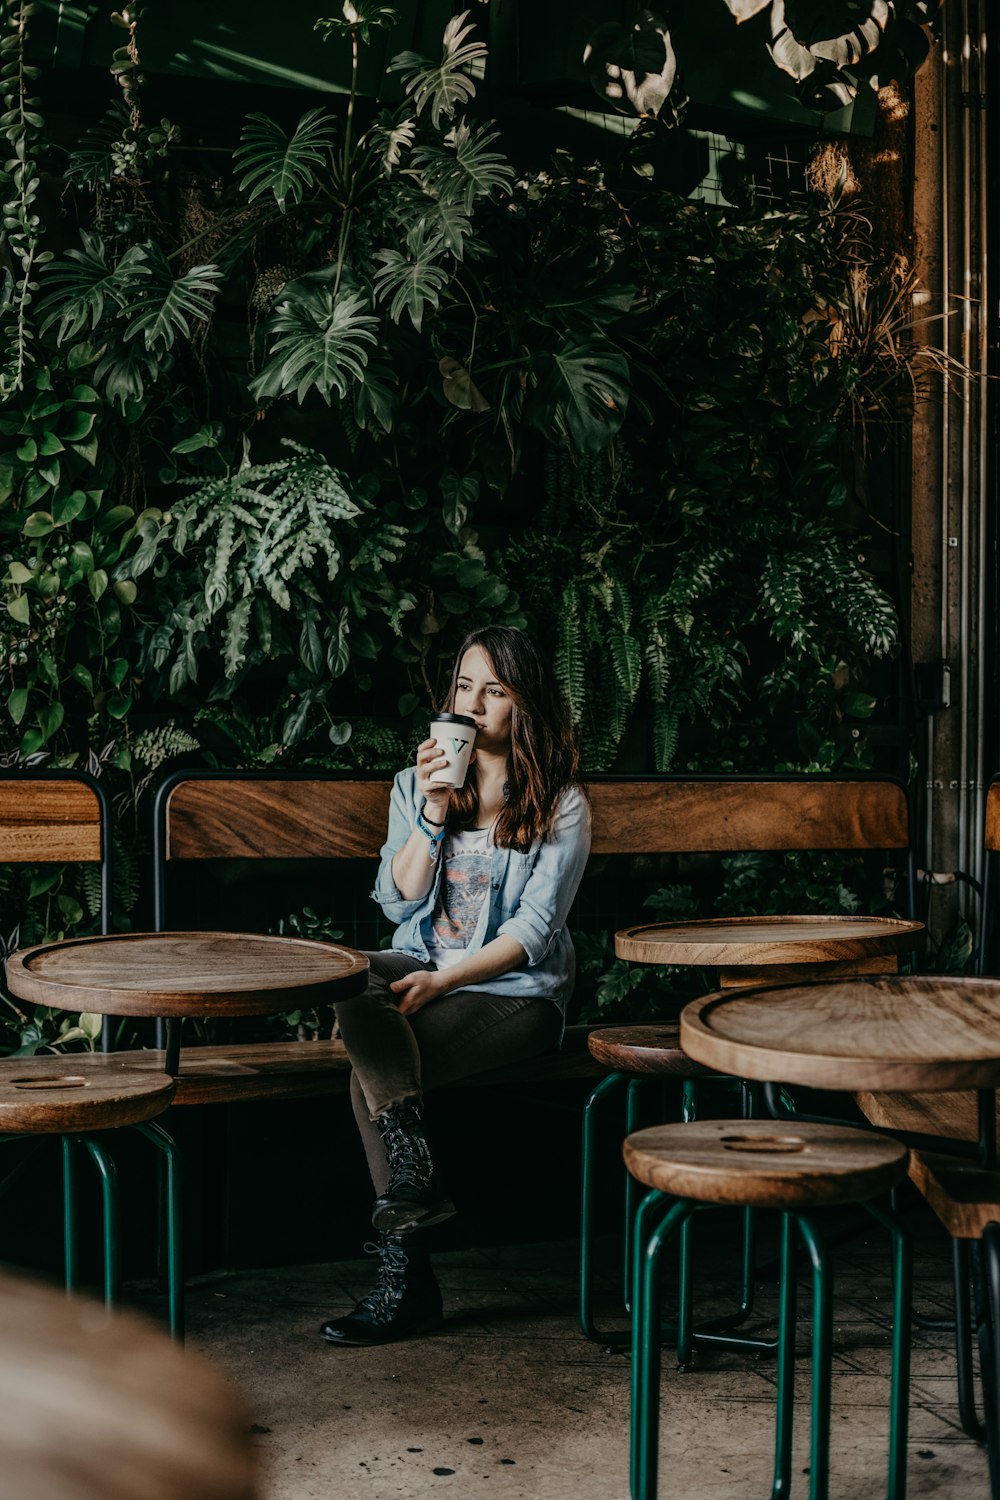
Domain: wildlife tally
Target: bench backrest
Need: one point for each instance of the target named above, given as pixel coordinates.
(46, 816)
(260, 815)
(56, 817)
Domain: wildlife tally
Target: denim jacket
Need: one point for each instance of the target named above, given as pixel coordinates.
(529, 898)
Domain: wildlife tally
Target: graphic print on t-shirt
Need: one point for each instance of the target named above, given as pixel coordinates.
(465, 879)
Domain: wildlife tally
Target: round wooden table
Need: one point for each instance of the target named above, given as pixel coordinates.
(895, 1034)
(888, 1034)
(177, 974)
(758, 950)
(103, 1407)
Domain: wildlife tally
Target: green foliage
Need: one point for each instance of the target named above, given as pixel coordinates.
(444, 87)
(613, 409)
(271, 561)
(700, 581)
(22, 126)
(285, 166)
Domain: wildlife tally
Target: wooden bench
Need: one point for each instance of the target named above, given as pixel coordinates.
(260, 815)
(962, 1194)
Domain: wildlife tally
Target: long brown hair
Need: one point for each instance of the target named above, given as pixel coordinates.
(544, 757)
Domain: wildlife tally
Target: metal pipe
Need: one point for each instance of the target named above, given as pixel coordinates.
(935, 783)
(965, 458)
(978, 864)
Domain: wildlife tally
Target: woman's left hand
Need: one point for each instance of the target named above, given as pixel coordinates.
(416, 989)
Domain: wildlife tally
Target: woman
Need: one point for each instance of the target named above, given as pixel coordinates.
(480, 881)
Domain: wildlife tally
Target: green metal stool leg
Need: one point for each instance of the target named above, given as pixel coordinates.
(902, 1310)
(781, 1484)
(645, 1425)
(109, 1194)
(166, 1144)
(606, 1086)
(822, 1357)
(71, 1242)
(632, 1094)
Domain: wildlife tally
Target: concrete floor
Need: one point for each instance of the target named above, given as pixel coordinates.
(509, 1402)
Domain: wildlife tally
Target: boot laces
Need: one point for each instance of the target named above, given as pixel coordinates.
(410, 1164)
(390, 1283)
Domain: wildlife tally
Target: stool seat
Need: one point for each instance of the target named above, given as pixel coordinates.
(765, 1163)
(84, 1092)
(645, 1049)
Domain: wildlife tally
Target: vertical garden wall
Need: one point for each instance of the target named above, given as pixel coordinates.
(293, 396)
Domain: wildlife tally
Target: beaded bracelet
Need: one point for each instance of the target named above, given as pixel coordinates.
(435, 838)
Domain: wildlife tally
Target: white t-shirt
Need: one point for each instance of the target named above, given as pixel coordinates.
(465, 882)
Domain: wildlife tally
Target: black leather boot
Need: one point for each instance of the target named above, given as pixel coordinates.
(413, 1198)
(404, 1301)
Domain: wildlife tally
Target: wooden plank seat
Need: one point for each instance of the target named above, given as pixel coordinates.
(248, 1072)
(962, 1194)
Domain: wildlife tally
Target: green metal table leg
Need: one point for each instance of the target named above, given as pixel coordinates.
(109, 1195)
(166, 1144)
(902, 1310)
(781, 1484)
(71, 1242)
(822, 1357)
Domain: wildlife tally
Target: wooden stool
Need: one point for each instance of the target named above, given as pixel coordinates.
(794, 1169)
(635, 1055)
(103, 1407)
(74, 1097)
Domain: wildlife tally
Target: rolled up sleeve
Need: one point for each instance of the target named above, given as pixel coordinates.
(552, 885)
(402, 820)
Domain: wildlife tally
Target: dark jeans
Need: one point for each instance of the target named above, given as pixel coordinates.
(397, 1057)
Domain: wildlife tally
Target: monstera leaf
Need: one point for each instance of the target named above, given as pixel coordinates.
(633, 70)
(286, 166)
(318, 342)
(446, 86)
(583, 391)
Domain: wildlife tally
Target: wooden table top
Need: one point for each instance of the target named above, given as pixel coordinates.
(723, 942)
(894, 1033)
(103, 1407)
(174, 974)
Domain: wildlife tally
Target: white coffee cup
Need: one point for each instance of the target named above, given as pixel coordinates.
(455, 735)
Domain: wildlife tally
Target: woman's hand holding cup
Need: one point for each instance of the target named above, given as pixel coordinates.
(436, 797)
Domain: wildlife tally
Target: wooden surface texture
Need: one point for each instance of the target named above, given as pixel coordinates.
(48, 821)
(279, 819)
(993, 817)
(765, 1163)
(680, 817)
(892, 1033)
(103, 1407)
(185, 974)
(644, 1049)
(963, 1196)
(252, 1071)
(85, 1091)
(724, 942)
(291, 819)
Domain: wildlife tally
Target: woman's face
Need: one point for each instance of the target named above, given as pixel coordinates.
(483, 698)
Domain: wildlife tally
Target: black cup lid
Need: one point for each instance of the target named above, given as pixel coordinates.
(454, 719)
